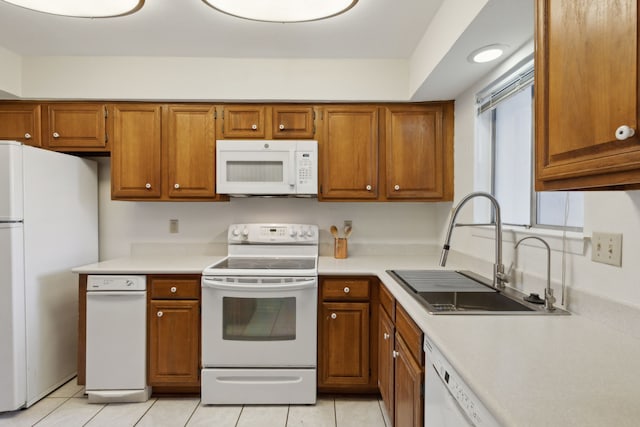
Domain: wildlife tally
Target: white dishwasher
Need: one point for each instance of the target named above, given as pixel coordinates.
(116, 339)
(448, 401)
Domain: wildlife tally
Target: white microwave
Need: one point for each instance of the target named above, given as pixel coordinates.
(267, 167)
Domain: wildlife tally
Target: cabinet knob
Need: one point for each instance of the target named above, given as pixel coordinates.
(176, 186)
(56, 135)
(624, 132)
(385, 336)
(281, 127)
(147, 186)
(346, 290)
(395, 354)
(27, 135)
(368, 187)
(159, 314)
(396, 187)
(334, 316)
(174, 289)
(254, 127)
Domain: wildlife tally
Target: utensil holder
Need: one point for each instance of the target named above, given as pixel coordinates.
(340, 248)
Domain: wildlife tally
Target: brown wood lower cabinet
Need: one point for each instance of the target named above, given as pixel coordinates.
(174, 331)
(347, 338)
(400, 364)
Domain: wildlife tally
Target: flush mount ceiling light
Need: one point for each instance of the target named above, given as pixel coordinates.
(487, 53)
(282, 10)
(81, 8)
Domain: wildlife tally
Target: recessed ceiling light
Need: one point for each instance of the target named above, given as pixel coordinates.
(81, 8)
(487, 53)
(282, 10)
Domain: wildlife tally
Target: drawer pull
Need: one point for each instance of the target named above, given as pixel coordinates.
(174, 289)
(334, 316)
(346, 290)
(395, 354)
(385, 336)
(56, 135)
(624, 132)
(27, 135)
(159, 314)
(254, 127)
(281, 127)
(147, 186)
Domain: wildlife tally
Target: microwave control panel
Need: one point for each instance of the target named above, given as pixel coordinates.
(305, 167)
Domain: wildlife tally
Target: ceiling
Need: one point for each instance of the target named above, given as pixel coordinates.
(374, 29)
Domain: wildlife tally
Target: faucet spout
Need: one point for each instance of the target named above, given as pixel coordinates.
(549, 299)
(499, 277)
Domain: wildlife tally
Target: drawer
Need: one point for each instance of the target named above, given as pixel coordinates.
(388, 302)
(345, 288)
(411, 334)
(175, 287)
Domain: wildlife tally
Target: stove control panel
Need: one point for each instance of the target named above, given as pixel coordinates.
(273, 233)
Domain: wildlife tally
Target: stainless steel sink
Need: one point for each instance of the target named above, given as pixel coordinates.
(463, 292)
(471, 301)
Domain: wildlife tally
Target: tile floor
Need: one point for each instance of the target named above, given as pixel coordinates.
(68, 407)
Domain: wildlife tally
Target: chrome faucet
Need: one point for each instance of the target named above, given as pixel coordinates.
(549, 299)
(499, 277)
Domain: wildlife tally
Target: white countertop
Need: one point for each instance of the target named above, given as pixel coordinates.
(528, 370)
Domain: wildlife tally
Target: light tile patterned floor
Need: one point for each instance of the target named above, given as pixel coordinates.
(68, 407)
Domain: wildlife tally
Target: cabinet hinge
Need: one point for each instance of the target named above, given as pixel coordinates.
(313, 114)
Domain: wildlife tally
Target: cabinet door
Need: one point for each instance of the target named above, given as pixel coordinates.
(191, 151)
(349, 153)
(386, 361)
(344, 344)
(174, 348)
(293, 122)
(20, 122)
(135, 153)
(243, 121)
(76, 127)
(587, 86)
(417, 157)
(409, 376)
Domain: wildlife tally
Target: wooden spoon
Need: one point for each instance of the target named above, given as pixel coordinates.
(347, 231)
(334, 231)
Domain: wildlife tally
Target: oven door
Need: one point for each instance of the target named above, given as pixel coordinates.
(259, 322)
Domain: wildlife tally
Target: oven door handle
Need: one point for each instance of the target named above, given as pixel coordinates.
(227, 286)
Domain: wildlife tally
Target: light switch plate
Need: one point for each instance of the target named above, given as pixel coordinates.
(173, 226)
(606, 248)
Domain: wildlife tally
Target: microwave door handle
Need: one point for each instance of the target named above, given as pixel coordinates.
(292, 168)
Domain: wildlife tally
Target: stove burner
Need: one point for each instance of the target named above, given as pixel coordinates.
(246, 263)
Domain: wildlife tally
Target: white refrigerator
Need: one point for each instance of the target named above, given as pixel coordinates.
(48, 225)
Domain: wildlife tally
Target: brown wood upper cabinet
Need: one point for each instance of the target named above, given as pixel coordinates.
(349, 153)
(21, 122)
(136, 158)
(267, 121)
(163, 152)
(243, 121)
(384, 153)
(587, 94)
(190, 147)
(418, 152)
(75, 127)
(293, 122)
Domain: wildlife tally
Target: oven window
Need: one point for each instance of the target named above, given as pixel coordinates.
(259, 319)
(249, 171)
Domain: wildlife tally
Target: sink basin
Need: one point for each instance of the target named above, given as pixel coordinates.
(464, 292)
(471, 301)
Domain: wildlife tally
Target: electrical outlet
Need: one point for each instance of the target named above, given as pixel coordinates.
(173, 226)
(348, 223)
(606, 248)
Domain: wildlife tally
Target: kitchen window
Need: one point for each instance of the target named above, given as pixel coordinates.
(504, 156)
